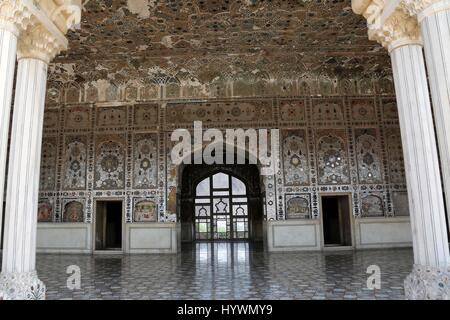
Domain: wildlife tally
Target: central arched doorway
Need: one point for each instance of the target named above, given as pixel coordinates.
(221, 203)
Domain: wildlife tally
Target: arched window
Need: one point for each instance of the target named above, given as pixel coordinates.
(221, 208)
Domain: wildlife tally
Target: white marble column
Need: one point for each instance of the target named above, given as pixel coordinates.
(430, 278)
(41, 40)
(8, 45)
(18, 279)
(18, 269)
(13, 19)
(434, 20)
(399, 32)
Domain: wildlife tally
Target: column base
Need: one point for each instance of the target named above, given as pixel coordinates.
(428, 283)
(21, 286)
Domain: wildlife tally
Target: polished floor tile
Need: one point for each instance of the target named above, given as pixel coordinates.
(228, 271)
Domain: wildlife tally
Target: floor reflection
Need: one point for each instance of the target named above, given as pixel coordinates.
(228, 270)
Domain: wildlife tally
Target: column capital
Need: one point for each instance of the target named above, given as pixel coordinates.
(38, 43)
(391, 27)
(424, 8)
(14, 16)
(40, 25)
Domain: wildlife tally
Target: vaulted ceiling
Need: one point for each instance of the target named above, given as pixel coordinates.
(199, 41)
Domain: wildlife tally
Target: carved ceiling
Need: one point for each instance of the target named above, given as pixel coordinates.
(200, 41)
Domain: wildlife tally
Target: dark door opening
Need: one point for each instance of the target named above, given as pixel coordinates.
(108, 225)
(336, 221)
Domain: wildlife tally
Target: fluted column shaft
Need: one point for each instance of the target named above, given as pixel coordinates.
(42, 37)
(421, 157)
(19, 249)
(435, 27)
(426, 202)
(394, 25)
(8, 48)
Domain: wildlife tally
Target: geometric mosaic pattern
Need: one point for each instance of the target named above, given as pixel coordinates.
(203, 272)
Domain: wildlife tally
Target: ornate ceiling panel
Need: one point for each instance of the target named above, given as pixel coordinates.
(195, 42)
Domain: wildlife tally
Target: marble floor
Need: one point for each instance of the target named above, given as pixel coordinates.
(228, 271)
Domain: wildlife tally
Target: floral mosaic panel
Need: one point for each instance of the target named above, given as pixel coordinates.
(110, 163)
(49, 155)
(332, 157)
(368, 154)
(145, 161)
(75, 163)
(395, 156)
(295, 158)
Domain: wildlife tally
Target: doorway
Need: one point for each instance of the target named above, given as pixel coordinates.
(108, 225)
(221, 208)
(221, 203)
(336, 221)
